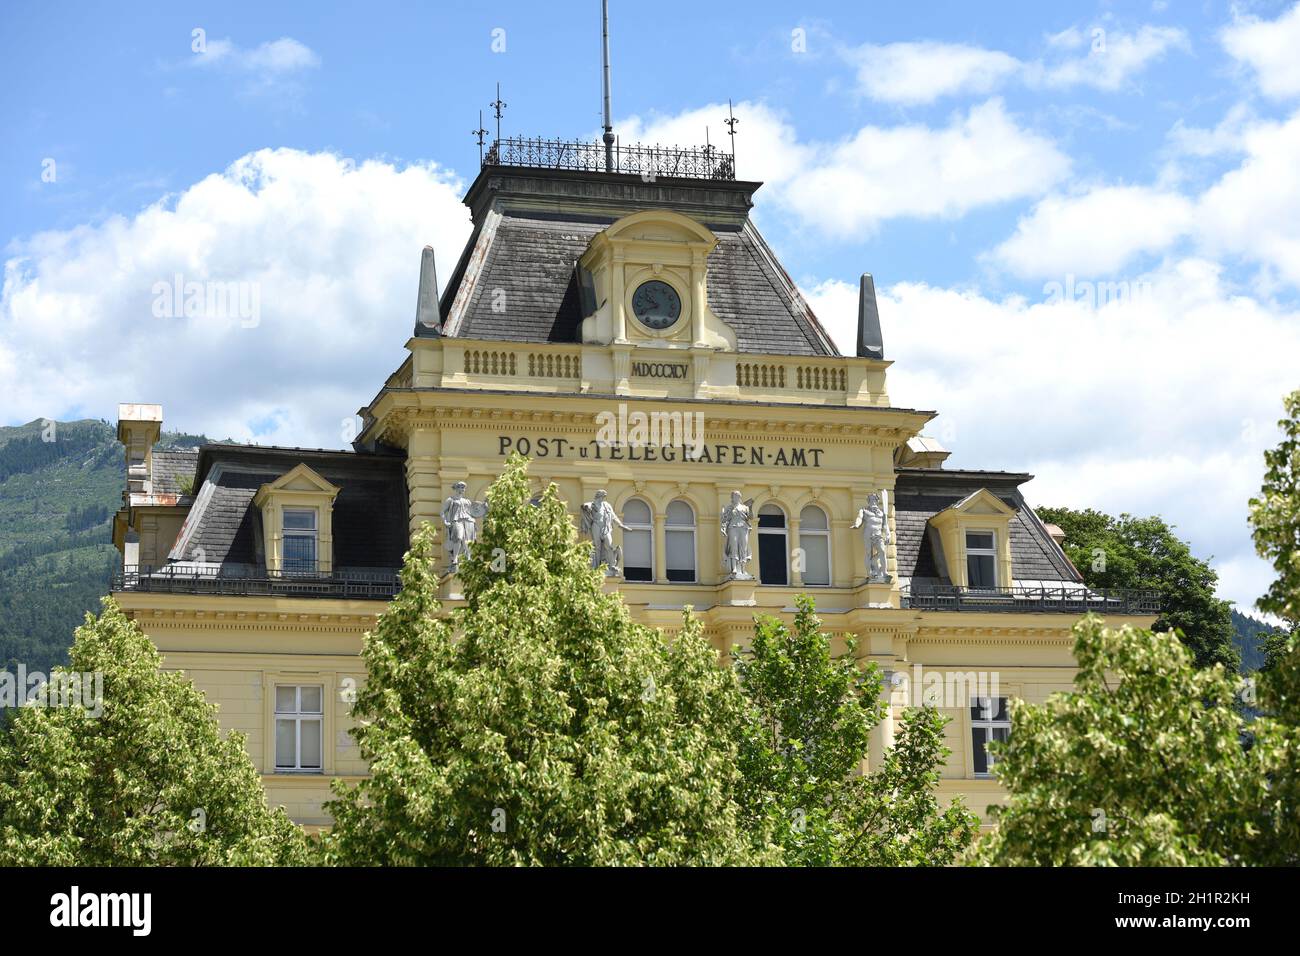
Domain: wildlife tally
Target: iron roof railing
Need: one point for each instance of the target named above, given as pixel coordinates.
(1066, 599)
(648, 162)
(248, 580)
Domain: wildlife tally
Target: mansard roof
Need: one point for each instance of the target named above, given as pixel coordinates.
(369, 515)
(532, 225)
(922, 493)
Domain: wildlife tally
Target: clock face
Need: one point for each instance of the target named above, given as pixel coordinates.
(657, 305)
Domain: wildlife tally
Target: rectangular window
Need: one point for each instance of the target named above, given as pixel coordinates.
(680, 545)
(638, 562)
(817, 556)
(981, 560)
(299, 727)
(989, 721)
(300, 540)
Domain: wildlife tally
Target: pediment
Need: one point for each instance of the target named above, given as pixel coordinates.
(982, 502)
(299, 479)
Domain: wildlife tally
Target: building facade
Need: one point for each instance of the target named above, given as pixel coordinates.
(631, 333)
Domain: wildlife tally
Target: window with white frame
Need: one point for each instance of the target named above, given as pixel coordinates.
(300, 536)
(981, 559)
(299, 727)
(773, 546)
(679, 542)
(815, 539)
(989, 721)
(638, 542)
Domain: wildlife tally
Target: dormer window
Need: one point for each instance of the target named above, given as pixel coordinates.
(300, 539)
(974, 541)
(981, 559)
(297, 523)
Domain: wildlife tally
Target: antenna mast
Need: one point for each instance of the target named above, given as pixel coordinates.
(609, 126)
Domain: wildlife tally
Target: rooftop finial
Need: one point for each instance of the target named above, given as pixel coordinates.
(609, 124)
(731, 122)
(497, 106)
(480, 133)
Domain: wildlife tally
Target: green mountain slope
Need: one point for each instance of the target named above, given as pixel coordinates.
(1249, 639)
(57, 499)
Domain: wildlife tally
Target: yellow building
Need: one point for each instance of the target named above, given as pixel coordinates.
(631, 332)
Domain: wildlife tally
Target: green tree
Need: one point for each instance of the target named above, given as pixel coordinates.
(804, 737)
(1143, 764)
(1144, 553)
(149, 781)
(1275, 517)
(537, 724)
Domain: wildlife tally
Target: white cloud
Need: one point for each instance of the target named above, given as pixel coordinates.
(1251, 212)
(1112, 60)
(1162, 405)
(881, 173)
(921, 72)
(1254, 210)
(332, 249)
(981, 157)
(1269, 48)
(1094, 233)
(274, 57)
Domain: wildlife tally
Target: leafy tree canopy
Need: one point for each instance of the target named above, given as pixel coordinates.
(1144, 553)
(1144, 763)
(148, 781)
(803, 741)
(538, 724)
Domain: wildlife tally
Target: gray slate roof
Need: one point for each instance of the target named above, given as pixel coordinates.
(920, 494)
(530, 256)
(369, 518)
(170, 465)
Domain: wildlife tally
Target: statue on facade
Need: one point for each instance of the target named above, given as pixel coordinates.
(598, 520)
(460, 517)
(874, 523)
(735, 524)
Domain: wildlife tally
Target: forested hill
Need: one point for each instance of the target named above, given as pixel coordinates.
(60, 484)
(1248, 639)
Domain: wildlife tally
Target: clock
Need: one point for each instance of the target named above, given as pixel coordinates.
(656, 305)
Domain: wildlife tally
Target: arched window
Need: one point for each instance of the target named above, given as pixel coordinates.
(638, 542)
(815, 539)
(679, 541)
(773, 547)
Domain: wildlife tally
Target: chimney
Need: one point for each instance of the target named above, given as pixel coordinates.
(921, 451)
(138, 428)
(1056, 534)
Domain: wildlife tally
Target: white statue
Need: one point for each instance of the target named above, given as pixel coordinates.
(736, 519)
(598, 520)
(460, 517)
(874, 523)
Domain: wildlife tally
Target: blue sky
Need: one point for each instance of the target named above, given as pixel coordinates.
(127, 116)
(1083, 218)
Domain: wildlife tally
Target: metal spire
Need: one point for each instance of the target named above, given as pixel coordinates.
(480, 133)
(609, 125)
(731, 122)
(497, 106)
